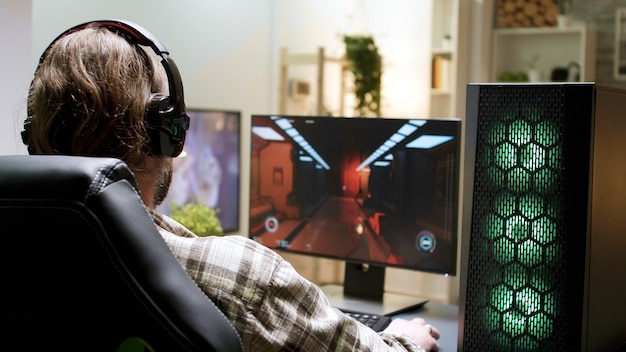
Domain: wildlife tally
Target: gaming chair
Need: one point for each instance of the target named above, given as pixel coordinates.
(83, 266)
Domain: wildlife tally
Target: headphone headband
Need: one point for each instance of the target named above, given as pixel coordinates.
(167, 120)
(137, 33)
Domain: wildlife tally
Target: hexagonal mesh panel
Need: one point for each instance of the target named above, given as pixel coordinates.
(519, 289)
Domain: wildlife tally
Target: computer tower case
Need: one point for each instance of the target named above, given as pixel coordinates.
(543, 245)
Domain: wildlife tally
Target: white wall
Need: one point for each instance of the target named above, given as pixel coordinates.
(15, 71)
(400, 28)
(221, 47)
(228, 52)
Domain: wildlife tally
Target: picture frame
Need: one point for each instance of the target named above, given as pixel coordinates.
(619, 66)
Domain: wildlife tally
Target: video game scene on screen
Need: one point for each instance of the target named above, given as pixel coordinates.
(373, 190)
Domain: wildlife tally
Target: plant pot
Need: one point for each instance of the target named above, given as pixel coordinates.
(564, 20)
(533, 75)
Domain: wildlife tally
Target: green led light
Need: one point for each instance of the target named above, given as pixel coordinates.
(551, 305)
(528, 301)
(504, 250)
(520, 133)
(553, 159)
(505, 156)
(492, 319)
(526, 343)
(517, 228)
(545, 181)
(518, 180)
(531, 206)
(505, 205)
(542, 278)
(516, 276)
(543, 230)
(532, 157)
(522, 161)
(530, 253)
(497, 133)
(540, 326)
(546, 133)
(501, 298)
(493, 226)
(513, 323)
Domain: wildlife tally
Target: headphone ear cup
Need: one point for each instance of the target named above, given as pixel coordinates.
(156, 107)
(26, 135)
(166, 126)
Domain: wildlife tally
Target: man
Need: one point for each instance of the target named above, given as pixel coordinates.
(99, 92)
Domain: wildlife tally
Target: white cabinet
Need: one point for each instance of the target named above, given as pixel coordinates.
(553, 47)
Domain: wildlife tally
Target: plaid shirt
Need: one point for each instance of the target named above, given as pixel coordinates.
(271, 306)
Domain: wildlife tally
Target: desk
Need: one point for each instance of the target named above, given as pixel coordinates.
(442, 316)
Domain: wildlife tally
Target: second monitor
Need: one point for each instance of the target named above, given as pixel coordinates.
(208, 169)
(374, 192)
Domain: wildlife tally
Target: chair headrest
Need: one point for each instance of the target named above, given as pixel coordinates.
(60, 176)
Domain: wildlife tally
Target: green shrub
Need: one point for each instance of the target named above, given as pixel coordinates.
(198, 218)
(365, 63)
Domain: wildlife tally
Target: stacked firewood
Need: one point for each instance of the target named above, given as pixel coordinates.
(526, 13)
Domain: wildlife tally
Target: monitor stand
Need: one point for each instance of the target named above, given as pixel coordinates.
(363, 291)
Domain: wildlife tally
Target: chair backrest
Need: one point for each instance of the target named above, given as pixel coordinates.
(83, 266)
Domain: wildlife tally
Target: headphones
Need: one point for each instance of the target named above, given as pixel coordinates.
(166, 117)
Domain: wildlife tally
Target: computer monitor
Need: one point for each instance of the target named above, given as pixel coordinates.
(208, 169)
(373, 192)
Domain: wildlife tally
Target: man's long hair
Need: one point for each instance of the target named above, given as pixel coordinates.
(89, 95)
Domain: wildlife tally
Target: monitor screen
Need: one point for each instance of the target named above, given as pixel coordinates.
(208, 169)
(381, 191)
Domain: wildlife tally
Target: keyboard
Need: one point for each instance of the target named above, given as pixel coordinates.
(374, 321)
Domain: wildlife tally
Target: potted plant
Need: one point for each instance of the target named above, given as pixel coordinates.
(564, 17)
(365, 63)
(532, 71)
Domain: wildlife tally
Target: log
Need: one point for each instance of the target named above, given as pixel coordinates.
(526, 13)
